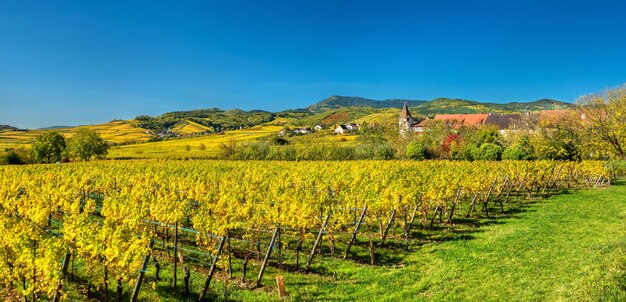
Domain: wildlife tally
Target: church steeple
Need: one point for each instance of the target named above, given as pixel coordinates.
(406, 121)
(405, 112)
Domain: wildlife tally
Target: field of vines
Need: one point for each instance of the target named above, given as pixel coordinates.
(114, 217)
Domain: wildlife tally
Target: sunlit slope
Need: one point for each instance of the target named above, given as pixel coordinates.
(190, 127)
(196, 147)
(388, 117)
(117, 132)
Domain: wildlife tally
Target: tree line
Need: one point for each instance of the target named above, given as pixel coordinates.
(53, 147)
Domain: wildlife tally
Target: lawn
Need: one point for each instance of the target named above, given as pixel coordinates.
(567, 248)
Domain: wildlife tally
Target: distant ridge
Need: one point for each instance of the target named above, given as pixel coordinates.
(439, 105)
(8, 127)
(335, 102)
(55, 127)
(446, 105)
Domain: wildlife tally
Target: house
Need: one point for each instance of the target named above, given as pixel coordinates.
(341, 129)
(302, 131)
(353, 127)
(318, 127)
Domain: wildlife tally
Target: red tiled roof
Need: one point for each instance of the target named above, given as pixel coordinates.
(456, 120)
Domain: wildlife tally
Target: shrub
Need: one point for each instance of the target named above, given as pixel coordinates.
(11, 158)
(487, 151)
(279, 141)
(521, 150)
(384, 151)
(255, 151)
(417, 151)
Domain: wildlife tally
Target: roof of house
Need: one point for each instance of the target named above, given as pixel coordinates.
(342, 127)
(455, 120)
(503, 121)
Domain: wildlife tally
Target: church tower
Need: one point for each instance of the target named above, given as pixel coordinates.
(406, 121)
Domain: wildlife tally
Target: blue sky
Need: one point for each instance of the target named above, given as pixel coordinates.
(82, 62)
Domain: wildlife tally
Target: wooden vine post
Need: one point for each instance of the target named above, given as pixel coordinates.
(267, 257)
(142, 273)
(356, 229)
(472, 204)
(456, 200)
(486, 202)
(66, 263)
(175, 253)
(389, 222)
(230, 260)
(317, 241)
(205, 288)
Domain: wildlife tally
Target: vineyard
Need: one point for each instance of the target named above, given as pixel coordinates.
(115, 224)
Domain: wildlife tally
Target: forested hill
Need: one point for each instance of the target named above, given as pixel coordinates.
(440, 105)
(445, 105)
(7, 127)
(212, 119)
(335, 102)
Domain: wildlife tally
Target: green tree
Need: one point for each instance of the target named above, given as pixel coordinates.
(487, 151)
(520, 150)
(87, 144)
(417, 151)
(48, 147)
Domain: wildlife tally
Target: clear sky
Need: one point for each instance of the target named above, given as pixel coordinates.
(83, 62)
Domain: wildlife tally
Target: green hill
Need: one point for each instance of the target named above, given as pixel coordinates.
(336, 102)
(439, 105)
(8, 128)
(459, 106)
(212, 118)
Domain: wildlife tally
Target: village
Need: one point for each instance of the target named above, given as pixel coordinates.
(503, 122)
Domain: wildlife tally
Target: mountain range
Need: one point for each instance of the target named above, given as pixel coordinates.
(439, 105)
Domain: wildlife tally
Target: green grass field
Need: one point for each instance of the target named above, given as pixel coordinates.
(571, 247)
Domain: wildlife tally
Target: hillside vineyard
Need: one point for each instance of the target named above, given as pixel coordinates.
(111, 214)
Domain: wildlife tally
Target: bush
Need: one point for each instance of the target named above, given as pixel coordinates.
(340, 153)
(256, 151)
(11, 158)
(487, 151)
(417, 151)
(279, 141)
(384, 151)
(521, 150)
(379, 151)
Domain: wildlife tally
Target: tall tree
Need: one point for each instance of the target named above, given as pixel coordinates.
(48, 147)
(603, 117)
(87, 144)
